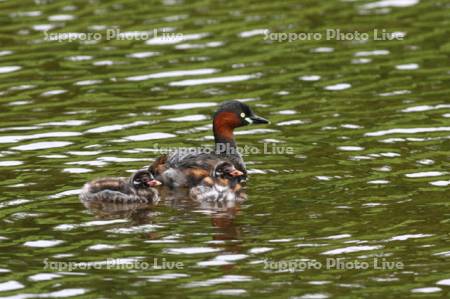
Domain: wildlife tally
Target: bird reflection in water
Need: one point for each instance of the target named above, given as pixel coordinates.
(222, 214)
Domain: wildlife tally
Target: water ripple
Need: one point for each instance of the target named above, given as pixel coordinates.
(43, 277)
(425, 174)
(310, 78)
(43, 243)
(192, 250)
(253, 32)
(352, 249)
(57, 294)
(440, 183)
(162, 40)
(61, 18)
(336, 87)
(390, 3)
(444, 282)
(291, 122)
(409, 236)
(405, 67)
(180, 73)
(118, 127)
(199, 46)
(14, 139)
(226, 79)
(150, 136)
(220, 280)
(77, 170)
(10, 163)
(135, 229)
(426, 108)
(9, 69)
(407, 131)
(426, 290)
(10, 286)
(350, 148)
(53, 92)
(161, 277)
(41, 145)
(195, 117)
(372, 53)
(187, 106)
(141, 55)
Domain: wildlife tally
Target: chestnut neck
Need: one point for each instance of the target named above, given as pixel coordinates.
(224, 139)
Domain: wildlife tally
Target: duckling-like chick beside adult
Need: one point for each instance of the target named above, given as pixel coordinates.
(222, 185)
(138, 188)
(185, 169)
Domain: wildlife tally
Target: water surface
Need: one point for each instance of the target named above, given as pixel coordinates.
(368, 123)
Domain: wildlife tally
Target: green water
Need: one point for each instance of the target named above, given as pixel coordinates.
(368, 123)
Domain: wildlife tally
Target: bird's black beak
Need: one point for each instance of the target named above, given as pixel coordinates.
(258, 120)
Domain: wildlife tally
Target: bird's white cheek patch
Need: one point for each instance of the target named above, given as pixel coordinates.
(249, 120)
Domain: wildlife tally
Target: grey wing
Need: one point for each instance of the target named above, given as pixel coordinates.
(204, 159)
(187, 159)
(113, 184)
(107, 196)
